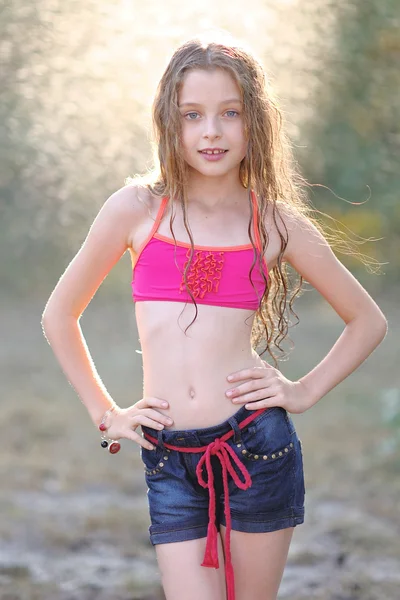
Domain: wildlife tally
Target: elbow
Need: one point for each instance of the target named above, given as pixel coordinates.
(51, 317)
(383, 326)
(381, 322)
(47, 321)
(373, 321)
(379, 325)
(48, 316)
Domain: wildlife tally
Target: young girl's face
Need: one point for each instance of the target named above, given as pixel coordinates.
(212, 117)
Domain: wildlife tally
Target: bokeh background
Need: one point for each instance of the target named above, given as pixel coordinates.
(76, 84)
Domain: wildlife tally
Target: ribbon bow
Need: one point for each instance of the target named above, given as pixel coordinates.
(225, 453)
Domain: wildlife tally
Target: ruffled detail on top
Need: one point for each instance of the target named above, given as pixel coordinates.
(204, 273)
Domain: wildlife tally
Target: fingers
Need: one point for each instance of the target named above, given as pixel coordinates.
(254, 396)
(135, 437)
(141, 413)
(150, 413)
(253, 373)
(143, 408)
(152, 401)
(269, 402)
(126, 420)
(157, 417)
(249, 387)
(152, 418)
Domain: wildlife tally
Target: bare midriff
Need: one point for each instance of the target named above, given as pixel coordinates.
(190, 370)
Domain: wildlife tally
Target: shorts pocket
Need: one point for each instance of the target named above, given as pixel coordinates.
(268, 439)
(154, 461)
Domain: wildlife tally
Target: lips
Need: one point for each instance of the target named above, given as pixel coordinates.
(213, 151)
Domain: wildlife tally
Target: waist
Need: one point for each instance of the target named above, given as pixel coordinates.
(203, 416)
(197, 402)
(190, 371)
(197, 439)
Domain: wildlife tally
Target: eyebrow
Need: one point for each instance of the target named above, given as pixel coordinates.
(229, 101)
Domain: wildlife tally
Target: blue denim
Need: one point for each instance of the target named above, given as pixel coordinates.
(270, 450)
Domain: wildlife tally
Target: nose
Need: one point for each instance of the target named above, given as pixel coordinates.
(212, 129)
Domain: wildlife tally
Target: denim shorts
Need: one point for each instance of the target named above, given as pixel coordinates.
(269, 449)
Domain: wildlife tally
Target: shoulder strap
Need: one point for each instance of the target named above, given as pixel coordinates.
(160, 212)
(159, 216)
(255, 220)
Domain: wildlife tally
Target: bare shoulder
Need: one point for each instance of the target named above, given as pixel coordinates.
(303, 235)
(134, 207)
(289, 217)
(307, 249)
(128, 203)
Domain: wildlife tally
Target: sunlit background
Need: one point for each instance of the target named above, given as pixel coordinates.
(76, 83)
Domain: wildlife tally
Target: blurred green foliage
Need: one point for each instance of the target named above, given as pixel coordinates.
(357, 126)
(75, 88)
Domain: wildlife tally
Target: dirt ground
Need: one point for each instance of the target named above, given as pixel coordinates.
(74, 519)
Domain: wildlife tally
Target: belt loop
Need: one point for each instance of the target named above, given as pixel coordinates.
(160, 441)
(234, 424)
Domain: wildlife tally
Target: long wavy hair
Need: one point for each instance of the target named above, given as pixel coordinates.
(268, 168)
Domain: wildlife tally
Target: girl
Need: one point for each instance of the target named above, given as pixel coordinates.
(210, 233)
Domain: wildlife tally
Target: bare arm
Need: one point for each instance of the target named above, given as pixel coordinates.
(106, 242)
(366, 326)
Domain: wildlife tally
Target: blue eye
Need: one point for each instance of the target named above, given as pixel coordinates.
(188, 116)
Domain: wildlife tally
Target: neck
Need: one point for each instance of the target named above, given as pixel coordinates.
(213, 192)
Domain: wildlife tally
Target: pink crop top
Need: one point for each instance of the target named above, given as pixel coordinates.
(218, 275)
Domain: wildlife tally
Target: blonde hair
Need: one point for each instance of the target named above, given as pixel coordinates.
(268, 167)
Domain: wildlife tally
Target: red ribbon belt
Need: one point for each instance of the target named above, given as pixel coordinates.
(225, 453)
